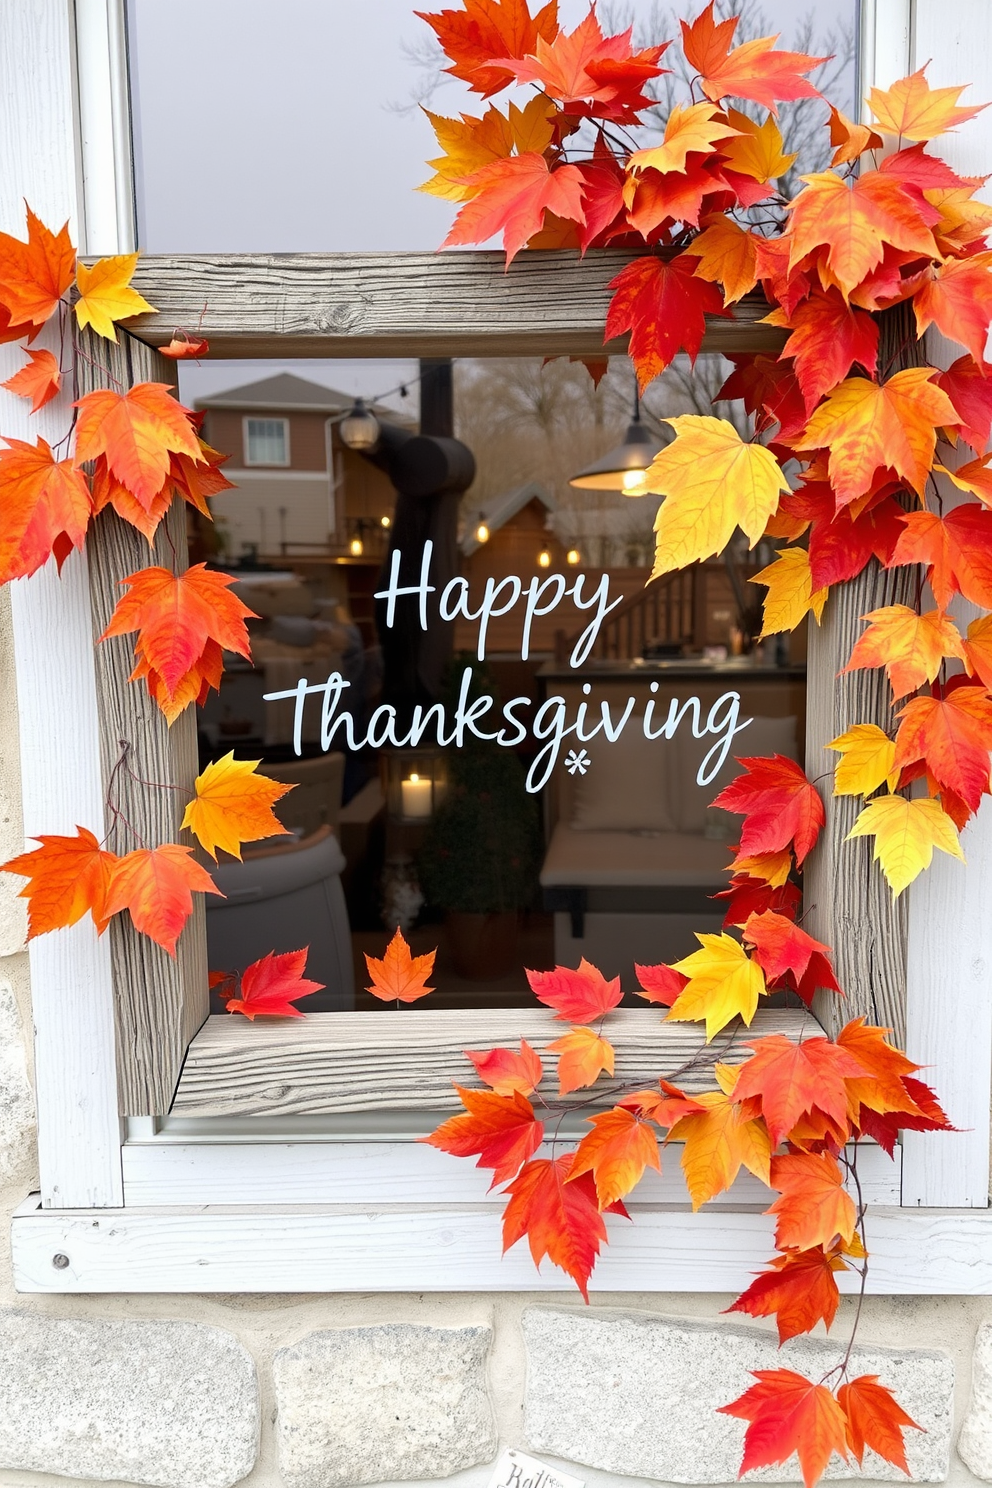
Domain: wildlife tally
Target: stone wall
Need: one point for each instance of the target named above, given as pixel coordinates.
(327, 1391)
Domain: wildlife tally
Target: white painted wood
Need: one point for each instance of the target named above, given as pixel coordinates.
(104, 127)
(914, 1252)
(312, 1172)
(885, 45)
(79, 1131)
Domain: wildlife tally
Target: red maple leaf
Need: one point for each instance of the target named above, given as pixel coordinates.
(514, 195)
(747, 896)
(957, 549)
(875, 1419)
(956, 297)
(779, 805)
(501, 1129)
(827, 338)
(67, 876)
(588, 73)
(664, 307)
(659, 983)
(560, 1219)
(490, 28)
(787, 1414)
(790, 1080)
(841, 543)
(579, 996)
(506, 1071)
(799, 1291)
(953, 735)
(770, 391)
(968, 384)
(787, 953)
(272, 985)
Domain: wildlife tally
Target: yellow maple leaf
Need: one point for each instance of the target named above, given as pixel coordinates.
(470, 143)
(233, 805)
(582, 1058)
(915, 111)
(771, 868)
(790, 592)
(724, 983)
(726, 256)
(720, 1141)
(906, 833)
(692, 130)
(868, 426)
(105, 294)
(757, 150)
(867, 758)
(714, 483)
(911, 647)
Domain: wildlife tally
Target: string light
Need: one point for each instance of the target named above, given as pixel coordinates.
(544, 558)
(482, 533)
(356, 547)
(385, 521)
(573, 556)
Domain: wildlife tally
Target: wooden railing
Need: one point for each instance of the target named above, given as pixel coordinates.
(666, 611)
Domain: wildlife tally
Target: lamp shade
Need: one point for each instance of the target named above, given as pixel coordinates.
(623, 467)
(359, 429)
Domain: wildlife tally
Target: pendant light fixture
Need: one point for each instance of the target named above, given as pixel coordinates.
(623, 468)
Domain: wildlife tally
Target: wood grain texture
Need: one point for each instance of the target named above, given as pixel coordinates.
(232, 1249)
(336, 1062)
(848, 903)
(160, 1001)
(404, 304)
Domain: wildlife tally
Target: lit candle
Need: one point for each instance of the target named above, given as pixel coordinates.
(416, 798)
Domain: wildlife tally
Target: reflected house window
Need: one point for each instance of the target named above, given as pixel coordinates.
(266, 441)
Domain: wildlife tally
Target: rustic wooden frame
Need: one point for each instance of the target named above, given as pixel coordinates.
(112, 1019)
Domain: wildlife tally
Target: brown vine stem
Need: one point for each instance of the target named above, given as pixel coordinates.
(851, 1164)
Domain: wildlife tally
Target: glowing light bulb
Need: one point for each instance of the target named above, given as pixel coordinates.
(482, 533)
(544, 558)
(632, 479)
(356, 547)
(385, 521)
(573, 556)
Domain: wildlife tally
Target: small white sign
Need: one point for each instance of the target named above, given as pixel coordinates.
(516, 1470)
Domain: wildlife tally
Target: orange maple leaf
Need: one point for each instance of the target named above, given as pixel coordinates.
(913, 110)
(582, 1058)
(183, 348)
(780, 808)
(501, 1129)
(108, 491)
(799, 1291)
(870, 427)
(579, 996)
(664, 307)
(485, 29)
(788, 1413)
(791, 1080)
(957, 297)
(719, 1140)
(39, 380)
(176, 615)
(399, 977)
(44, 503)
(156, 887)
(272, 985)
(911, 647)
(513, 196)
(66, 877)
(232, 805)
(193, 686)
(875, 1419)
(137, 431)
(616, 1153)
(813, 1207)
(726, 255)
(560, 1219)
(957, 548)
(506, 1071)
(753, 71)
(952, 735)
(850, 140)
(35, 275)
(883, 1089)
(853, 223)
(602, 73)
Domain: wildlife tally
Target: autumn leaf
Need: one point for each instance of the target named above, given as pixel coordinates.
(41, 500)
(771, 868)
(841, 543)
(747, 896)
(723, 984)
(272, 985)
(799, 1291)
(713, 483)
(956, 297)
(513, 196)
(906, 833)
(813, 1207)
(136, 430)
(470, 143)
(399, 977)
(952, 734)
(957, 549)
(784, 951)
(156, 885)
(790, 594)
(506, 1071)
(500, 1129)
(913, 110)
(176, 615)
(757, 150)
(484, 29)
(978, 648)
(791, 1079)
(720, 1140)
(780, 808)
(867, 759)
(875, 1419)
(659, 983)
(105, 294)
(616, 1153)
(67, 876)
(753, 70)
(601, 74)
(663, 305)
(788, 1413)
(108, 491)
(968, 384)
(883, 1089)
(233, 805)
(853, 223)
(182, 348)
(694, 129)
(34, 275)
(727, 256)
(868, 427)
(911, 647)
(39, 380)
(193, 686)
(827, 337)
(850, 140)
(560, 1219)
(579, 996)
(974, 476)
(582, 1058)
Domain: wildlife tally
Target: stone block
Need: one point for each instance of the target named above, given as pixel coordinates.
(16, 1099)
(975, 1441)
(165, 1403)
(383, 1404)
(637, 1394)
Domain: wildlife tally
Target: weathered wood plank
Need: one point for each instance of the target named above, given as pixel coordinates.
(403, 304)
(160, 1001)
(336, 1062)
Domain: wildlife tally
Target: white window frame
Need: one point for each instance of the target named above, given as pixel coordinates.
(69, 155)
(257, 418)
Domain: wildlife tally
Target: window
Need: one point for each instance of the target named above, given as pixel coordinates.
(266, 441)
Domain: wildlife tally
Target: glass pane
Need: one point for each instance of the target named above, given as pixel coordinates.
(266, 441)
